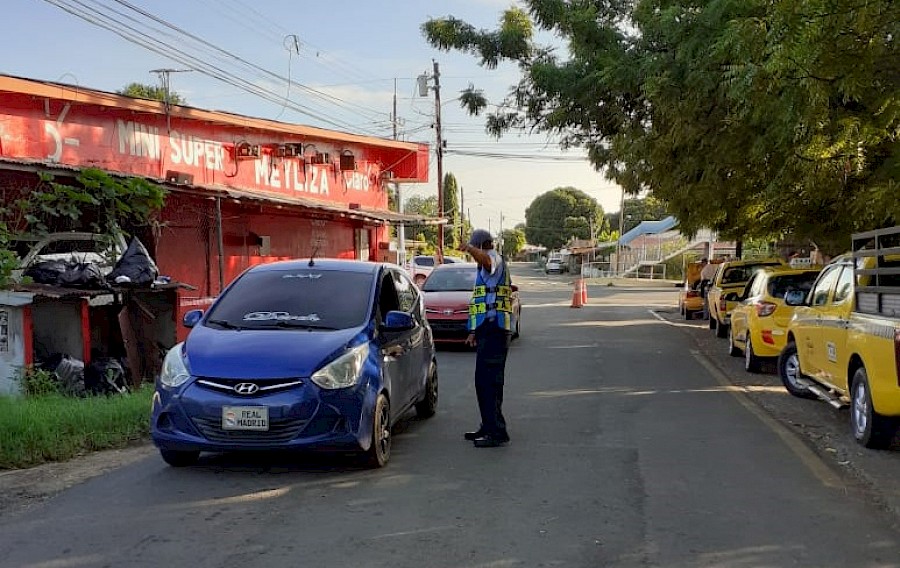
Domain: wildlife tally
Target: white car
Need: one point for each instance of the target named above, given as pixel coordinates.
(554, 267)
(421, 266)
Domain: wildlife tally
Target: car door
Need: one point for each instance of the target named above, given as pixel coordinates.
(833, 322)
(807, 329)
(419, 358)
(395, 346)
(742, 314)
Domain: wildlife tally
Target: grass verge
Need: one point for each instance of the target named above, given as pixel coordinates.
(34, 430)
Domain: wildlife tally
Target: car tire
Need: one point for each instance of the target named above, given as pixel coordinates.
(732, 348)
(179, 458)
(426, 407)
(870, 429)
(789, 372)
(722, 329)
(515, 334)
(752, 362)
(712, 321)
(379, 451)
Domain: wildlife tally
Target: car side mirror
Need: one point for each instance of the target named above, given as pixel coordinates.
(397, 320)
(192, 318)
(795, 298)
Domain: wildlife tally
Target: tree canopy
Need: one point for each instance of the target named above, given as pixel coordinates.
(513, 241)
(556, 216)
(756, 118)
(151, 92)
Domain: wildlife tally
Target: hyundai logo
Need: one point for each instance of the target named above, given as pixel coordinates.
(448, 312)
(246, 388)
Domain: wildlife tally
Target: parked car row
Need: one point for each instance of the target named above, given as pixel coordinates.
(834, 331)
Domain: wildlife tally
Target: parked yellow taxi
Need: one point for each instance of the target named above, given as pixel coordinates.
(690, 301)
(759, 322)
(730, 281)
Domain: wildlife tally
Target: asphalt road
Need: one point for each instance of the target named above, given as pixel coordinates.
(630, 447)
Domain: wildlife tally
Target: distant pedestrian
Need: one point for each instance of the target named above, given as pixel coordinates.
(490, 325)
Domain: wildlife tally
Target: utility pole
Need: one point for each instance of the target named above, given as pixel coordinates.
(423, 91)
(619, 247)
(164, 80)
(394, 119)
(440, 159)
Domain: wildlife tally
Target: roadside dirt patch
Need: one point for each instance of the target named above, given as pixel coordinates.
(21, 489)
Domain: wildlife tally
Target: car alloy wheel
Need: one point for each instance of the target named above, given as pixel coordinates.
(380, 449)
(790, 374)
(428, 405)
(870, 429)
(752, 363)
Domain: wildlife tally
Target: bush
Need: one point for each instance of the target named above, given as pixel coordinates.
(37, 382)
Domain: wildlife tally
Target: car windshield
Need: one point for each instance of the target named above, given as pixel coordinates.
(743, 273)
(301, 298)
(781, 285)
(450, 280)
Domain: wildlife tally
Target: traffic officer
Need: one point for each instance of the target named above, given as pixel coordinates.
(490, 325)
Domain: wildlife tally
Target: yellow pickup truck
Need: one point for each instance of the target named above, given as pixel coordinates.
(726, 288)
(843, 342)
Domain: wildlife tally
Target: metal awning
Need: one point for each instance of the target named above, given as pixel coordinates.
(342, 210)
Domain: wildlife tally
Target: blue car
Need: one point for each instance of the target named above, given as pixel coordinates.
(315, 354)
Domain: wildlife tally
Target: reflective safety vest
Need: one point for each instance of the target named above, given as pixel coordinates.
(502, 301)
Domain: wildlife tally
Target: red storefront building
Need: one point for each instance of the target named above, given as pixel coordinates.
(242, 190)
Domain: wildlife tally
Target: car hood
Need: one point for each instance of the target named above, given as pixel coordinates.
(262, 354)
(447, 299)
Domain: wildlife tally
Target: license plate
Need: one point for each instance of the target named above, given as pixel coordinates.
(245, 418)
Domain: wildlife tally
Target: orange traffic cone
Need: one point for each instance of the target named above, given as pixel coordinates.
(584, 297)
(577, 293)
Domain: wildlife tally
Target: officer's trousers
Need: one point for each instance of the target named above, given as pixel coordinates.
(492, 345)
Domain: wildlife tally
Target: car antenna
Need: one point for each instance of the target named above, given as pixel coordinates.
(312, 259)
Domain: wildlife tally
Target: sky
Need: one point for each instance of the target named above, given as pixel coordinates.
(342, 59)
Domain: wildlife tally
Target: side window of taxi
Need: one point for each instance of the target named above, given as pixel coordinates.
(406, 292)
(844, 287)
(819, 295)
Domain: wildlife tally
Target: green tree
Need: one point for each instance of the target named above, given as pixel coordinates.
(153, 93)
(637, 210)
(555, 216)
(452, 212)
(513, 241)
(426, 206)
(755, 118)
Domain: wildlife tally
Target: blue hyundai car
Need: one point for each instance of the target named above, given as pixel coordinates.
(314, 354)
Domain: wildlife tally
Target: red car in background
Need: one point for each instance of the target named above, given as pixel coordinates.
(447, 292)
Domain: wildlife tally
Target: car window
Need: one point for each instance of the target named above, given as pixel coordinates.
(307, 297)
(424, 261)
(779, 286)
(406, 292)
(824, 285)
(449, 280)
(844, 288)
(738, 274)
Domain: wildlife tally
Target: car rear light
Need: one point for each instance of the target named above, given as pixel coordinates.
(764, 309)
(723, 305)
(692, 294)
(767, 337)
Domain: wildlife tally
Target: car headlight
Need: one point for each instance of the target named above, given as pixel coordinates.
(344, 371)
(174, 371)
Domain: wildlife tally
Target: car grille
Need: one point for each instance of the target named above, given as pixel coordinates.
(279, 431)
(265, 386)
(447, 327)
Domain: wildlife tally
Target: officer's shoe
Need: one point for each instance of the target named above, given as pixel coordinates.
(488, 442)
(472, 436)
